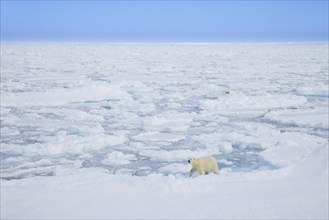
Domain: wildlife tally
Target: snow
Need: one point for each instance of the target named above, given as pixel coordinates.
(118, 158)
(103, 131)
(83, 92)
(157, 136)
(316, 118)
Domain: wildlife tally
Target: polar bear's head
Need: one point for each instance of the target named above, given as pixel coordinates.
(191, 160)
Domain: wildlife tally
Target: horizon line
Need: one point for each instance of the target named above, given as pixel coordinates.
(163, 42)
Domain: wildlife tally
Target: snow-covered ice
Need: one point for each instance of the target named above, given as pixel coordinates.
(101, 130)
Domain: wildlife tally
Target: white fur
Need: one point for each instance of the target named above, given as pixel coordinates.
(203, 165)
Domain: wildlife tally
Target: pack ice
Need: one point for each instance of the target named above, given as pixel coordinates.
(103, 130)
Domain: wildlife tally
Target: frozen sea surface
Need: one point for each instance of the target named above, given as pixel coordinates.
(140, 110)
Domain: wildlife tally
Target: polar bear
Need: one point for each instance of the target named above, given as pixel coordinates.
(203, 165)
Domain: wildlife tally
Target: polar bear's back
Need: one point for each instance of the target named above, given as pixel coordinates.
(209, 163)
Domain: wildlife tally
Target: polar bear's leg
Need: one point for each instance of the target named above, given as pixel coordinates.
(192, 171)
(216, 170)
(202, 172)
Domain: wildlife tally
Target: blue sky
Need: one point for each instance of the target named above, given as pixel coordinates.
(169, 21)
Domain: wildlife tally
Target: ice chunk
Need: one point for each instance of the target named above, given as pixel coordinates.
(154, 136)
(225, 147)
(225, 162)
(118, 158)
(242, 102)
(317, 118)
(63, 144)
(53, 97)
(215, 140)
